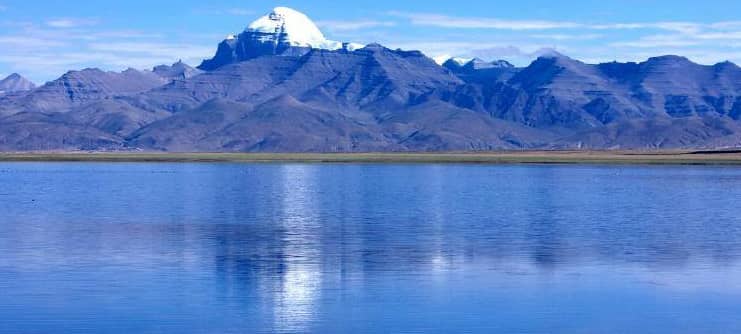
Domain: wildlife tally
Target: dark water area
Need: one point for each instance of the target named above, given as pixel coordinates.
(293, 248)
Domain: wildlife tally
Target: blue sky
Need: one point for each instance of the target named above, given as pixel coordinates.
(42, 39)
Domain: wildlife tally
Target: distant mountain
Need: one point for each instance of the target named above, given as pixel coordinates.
(76, 88)
(474, 64)
(479, 71)
(15, 83)
(281, 86)
(177, 71)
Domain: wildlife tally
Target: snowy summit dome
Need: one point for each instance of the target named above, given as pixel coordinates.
(283, 31)
(293, 28)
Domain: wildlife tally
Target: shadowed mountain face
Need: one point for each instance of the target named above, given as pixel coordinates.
(280, 86)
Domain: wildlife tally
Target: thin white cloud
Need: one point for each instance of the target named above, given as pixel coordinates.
(155, 50)
(28, 42)
(353, 25)
(651, 44)
(726, 25)
(706, 39)
(69, 22)
(239, 11)
(458, 22)
(126, 34)
(50, 36)
(568, 37)
(718, 36)
(681, 27)
(444, 21)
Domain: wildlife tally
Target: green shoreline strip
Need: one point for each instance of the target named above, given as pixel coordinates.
(506, 157)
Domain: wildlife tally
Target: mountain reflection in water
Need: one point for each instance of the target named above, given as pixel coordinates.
(293, 248)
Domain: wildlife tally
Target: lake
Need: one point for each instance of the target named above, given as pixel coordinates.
(369, 248)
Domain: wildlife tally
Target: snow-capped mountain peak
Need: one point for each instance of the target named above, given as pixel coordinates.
(290, 27)
(283, 31)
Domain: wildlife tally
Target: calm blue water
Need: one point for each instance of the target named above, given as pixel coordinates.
(291, 248)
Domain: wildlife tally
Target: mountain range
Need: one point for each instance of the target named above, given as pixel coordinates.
(281, 86)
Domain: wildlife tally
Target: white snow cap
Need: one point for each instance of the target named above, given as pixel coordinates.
(461, 61)
(298, 30)
(441, 59)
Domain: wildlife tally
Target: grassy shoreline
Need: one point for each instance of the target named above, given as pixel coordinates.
(503, 157)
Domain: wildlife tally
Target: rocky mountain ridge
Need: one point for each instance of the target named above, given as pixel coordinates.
(274, 88)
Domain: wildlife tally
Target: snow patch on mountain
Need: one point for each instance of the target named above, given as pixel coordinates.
(441, 59)
(353, 46)
(474, 63)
